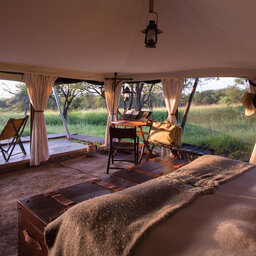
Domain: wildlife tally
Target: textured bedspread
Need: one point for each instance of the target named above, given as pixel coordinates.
(114, 223)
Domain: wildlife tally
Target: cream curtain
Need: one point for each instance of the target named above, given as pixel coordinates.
(253, 155)
(39, 88)
(172, 88)
(109, 95)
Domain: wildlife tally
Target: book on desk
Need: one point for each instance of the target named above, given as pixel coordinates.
(134, 115)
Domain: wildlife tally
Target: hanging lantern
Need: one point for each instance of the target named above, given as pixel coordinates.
(151, 31)
(126, 93)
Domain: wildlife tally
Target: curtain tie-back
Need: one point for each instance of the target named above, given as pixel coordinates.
(39, 111)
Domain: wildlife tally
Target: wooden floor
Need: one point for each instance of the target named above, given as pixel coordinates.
(50, 136)
(57, 148)
(87, 138)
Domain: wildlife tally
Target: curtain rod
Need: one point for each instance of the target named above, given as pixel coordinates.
(73, 80)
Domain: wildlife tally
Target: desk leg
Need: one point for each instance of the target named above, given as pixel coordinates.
(142, 153)
(145, 144)
(143, 147)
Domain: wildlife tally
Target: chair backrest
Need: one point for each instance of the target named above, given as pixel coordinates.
(122, 133)
(13, 128)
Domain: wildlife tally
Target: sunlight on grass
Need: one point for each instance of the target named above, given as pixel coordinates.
(223, 128)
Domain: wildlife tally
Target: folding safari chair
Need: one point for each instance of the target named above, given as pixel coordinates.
(12, 131)
(168, 135)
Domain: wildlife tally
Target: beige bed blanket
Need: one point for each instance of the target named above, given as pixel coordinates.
(114, 223)
(222, 223)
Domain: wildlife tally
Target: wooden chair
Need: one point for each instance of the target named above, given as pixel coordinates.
(12, 131)
(122, 146)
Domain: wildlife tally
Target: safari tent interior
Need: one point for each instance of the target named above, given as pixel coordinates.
(206, 207)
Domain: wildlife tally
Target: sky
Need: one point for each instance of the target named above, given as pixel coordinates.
(10, 84)
(207, 85)
(215, 84)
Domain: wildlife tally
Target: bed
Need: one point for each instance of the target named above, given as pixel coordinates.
(207, 207)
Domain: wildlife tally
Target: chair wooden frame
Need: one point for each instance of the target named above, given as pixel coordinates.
(119, 134)
(13, 130)
(185, 151)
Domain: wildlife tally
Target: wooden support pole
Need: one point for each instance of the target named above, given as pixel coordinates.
(61, 113)
(177, 114)
(185, 115)
(32, 113)
(115, 83)
(27, 105)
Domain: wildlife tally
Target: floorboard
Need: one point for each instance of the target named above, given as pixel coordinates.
(87, 138)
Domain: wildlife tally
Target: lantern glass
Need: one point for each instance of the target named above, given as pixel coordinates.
(126, 93)
(151, 35)
(126, 96)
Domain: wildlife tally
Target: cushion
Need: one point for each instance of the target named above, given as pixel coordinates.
(165, 133)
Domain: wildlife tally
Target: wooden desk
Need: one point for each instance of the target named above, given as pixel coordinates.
(141, 133)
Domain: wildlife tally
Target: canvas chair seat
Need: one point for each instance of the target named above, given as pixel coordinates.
(12, 131)
(164, 134)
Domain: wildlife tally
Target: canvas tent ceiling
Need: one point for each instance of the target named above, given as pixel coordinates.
(92, 39)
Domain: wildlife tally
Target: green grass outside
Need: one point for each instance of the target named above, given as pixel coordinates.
(223, 128)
